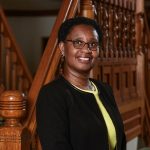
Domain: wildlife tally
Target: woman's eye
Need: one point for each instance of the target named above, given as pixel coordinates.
(78, 42)
(93, 44)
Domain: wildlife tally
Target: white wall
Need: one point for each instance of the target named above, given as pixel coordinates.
(132, 145)
(28, 32)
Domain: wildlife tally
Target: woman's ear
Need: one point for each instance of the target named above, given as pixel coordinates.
(61, 47)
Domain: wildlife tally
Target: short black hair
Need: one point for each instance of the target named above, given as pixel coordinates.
(68, 24)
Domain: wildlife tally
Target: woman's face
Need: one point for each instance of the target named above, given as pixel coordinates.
(77, 59)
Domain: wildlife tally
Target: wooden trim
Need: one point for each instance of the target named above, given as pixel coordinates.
(31, 13)
(132, 133)
(133, 104)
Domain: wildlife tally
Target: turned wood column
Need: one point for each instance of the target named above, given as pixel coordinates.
(139, 25)
(13, 108)
(86, 9)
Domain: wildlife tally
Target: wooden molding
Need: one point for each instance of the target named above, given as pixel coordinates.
(31, 13)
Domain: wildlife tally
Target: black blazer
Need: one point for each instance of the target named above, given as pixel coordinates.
(70, 119)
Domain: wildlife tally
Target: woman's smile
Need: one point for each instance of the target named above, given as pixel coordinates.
(85, 59)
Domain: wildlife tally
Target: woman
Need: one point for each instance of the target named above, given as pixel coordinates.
(75, 112)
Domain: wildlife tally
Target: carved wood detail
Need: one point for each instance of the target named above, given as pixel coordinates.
(13, 109)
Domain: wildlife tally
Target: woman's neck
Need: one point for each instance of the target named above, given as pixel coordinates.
(77, 79)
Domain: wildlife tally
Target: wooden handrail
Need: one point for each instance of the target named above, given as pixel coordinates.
(11, 42)
(49, 61)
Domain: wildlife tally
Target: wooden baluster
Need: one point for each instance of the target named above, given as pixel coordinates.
(120, 26)
(124, 30)
(26, 86)
(14, 71)
(132, 5)
(20, 77)
(116, 29)
(111, 26)
(98, 17)
(13, 109)
(100, 12)
(128, 29)
(105, 31)
(101, 23)
(2, 54)
(139, 25)
(8, 62)
(139, 32)
(87, 9)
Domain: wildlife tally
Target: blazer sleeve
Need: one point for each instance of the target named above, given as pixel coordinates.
(52, 122)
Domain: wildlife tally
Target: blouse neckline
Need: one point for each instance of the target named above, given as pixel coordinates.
(95, 91)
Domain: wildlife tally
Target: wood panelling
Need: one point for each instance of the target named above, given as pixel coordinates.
(132, 114)
(121, 75)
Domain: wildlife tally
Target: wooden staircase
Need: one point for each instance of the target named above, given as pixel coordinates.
(121, 64)
(14, 73)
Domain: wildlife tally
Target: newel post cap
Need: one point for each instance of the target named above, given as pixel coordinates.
(12, 107)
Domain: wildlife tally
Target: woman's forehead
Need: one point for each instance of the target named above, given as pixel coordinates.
(83, 29)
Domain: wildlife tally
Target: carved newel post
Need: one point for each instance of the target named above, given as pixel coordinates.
(87, 9)
(12, 134)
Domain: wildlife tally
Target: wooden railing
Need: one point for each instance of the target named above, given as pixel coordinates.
(121, 64)
(14, 73)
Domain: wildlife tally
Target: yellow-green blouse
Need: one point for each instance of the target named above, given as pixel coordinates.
(109, 124)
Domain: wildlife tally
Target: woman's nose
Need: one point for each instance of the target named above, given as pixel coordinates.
(86, 48)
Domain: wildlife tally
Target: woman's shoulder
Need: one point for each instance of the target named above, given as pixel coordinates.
(53, 95)
(54, 85)
(55, 88)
